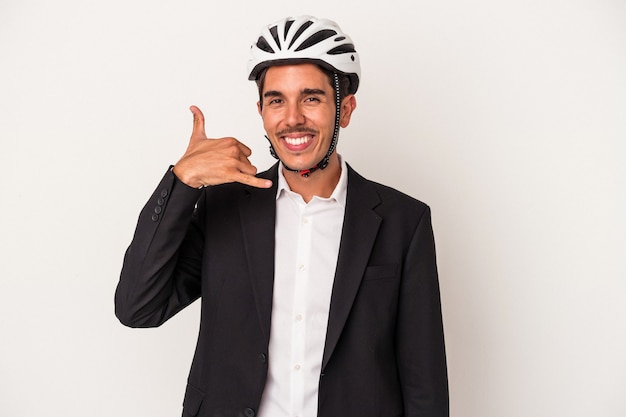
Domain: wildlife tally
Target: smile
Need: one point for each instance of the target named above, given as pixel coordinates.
(297, 141)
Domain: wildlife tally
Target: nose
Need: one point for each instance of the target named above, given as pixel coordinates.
(294, 115)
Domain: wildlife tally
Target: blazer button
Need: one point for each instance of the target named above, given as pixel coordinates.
(155, 217)
(164, 193)
(158, 209)
(160, 201)
(262, 357)
(248, 412)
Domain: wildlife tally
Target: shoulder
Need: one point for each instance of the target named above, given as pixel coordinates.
(390, 197)
(400, 214)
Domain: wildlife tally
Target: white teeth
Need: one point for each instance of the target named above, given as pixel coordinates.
(297, 141)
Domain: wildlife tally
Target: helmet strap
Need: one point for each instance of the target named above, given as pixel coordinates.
(333, 144)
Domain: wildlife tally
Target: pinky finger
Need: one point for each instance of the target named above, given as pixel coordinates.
(254, 181)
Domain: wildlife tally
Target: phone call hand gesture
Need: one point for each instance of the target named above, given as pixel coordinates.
(215, 161)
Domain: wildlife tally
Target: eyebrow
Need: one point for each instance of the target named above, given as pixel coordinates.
(315, 91)
(306, 91)
(272, 93)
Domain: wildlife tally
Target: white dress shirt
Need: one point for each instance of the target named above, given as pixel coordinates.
(307, 245)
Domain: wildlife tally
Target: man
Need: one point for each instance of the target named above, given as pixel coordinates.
(319, 288)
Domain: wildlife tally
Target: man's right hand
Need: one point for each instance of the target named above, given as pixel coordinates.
(215, 161)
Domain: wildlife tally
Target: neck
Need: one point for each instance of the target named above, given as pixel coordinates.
(320, 183)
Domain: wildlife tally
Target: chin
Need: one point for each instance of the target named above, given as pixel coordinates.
(298, 162)
(298, 167)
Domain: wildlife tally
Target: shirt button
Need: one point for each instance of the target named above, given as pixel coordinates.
(299, 317)
(305, 220)
(297, 367)
(300, 268)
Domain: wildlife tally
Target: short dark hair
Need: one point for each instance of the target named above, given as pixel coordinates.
(344, 83)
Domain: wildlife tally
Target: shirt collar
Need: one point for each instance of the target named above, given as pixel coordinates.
(339, 193)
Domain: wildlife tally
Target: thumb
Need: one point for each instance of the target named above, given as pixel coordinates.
(198, 123)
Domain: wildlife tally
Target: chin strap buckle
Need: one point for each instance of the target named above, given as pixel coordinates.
(306, 172)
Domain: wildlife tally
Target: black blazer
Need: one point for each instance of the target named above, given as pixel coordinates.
(384, 352)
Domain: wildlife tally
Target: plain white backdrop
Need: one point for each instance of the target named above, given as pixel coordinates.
(507, 117)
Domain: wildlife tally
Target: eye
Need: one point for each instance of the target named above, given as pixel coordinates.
(274, 101)
(312, 99)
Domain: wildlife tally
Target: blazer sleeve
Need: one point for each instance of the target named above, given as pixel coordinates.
(162, 266)
(419, 338)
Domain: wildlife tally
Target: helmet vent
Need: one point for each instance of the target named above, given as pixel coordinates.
(299, 32)
(316, 38)
(288, 24)
(339, 38)
(274, 32)
(263, 45)
(342, 49)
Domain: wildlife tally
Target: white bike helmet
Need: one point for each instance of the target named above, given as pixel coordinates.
(306, 39)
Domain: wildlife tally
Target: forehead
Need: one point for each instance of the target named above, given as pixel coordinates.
(295, 77)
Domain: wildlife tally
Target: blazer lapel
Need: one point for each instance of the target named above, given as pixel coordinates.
(258, 220)
(360, 228)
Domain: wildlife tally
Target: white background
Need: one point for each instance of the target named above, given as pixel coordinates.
(507, 117)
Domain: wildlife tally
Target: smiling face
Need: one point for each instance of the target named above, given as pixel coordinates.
(298, 111)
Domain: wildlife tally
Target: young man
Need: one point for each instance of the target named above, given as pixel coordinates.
(319, 288)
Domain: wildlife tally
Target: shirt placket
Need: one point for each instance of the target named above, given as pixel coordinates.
(298, 347)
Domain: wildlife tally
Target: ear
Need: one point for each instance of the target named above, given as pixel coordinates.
(258, 107)
(348, 105)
